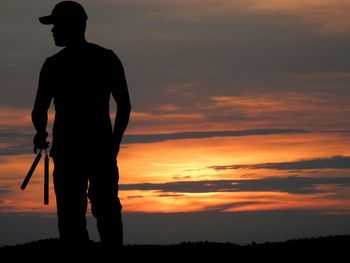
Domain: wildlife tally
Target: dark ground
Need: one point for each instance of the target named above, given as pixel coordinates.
(323, 249)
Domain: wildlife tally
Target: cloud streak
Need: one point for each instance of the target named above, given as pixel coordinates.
(291, 184)
(20, 143)
(149, 138)
(334, 162)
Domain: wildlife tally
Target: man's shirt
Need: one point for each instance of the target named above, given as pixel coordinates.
(80, 81)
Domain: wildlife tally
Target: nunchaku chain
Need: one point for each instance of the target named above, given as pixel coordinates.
(46, 174)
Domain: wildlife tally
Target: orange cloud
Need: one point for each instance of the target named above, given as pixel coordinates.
(152, 202)
(145, 116)
(169, 107)
(14, 117)
(251, 110)
(273, 102)
(163, 121)
(285, 109)
(189, 160)
(13, 169)
(11, 117)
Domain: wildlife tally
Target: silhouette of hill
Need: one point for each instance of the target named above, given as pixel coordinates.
(321, 249)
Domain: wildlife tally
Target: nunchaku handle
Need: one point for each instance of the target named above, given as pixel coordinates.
(46, 180)
(31, 171)
(46, 175)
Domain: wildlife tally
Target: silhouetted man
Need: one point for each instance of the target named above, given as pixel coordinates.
(80, 79)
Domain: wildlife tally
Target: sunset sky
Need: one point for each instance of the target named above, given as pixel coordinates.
(240, 127)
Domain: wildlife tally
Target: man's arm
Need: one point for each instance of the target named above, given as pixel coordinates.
(41, 106)
(121, 96)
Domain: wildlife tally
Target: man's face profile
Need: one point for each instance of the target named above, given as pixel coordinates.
(60, 34)
(65, 34)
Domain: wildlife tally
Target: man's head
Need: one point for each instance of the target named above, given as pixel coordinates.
(69, 22)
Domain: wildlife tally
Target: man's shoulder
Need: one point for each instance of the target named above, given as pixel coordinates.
(93, 51)
(56, 58)
(101, 52)
(98, 48)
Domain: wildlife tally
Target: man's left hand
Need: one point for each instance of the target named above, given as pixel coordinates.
(40, 142)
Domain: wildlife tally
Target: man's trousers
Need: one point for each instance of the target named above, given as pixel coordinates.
(77, 179)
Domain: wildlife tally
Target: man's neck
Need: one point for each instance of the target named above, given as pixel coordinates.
(77, 43)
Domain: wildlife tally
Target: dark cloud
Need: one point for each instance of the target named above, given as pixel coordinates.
(23, 148)
(241, 49)
(4, 190)
(233, 205)
(134, 196)
(21, 143)
(148, 138)
(241, 52)
(170, 195)
(16, 142)
(292, 184)
(334, 162)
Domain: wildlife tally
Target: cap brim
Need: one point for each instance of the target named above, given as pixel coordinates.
(46, 20)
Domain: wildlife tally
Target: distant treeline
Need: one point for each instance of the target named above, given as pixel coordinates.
(320, 249)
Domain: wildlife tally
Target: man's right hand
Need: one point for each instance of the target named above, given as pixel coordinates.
(40, 141)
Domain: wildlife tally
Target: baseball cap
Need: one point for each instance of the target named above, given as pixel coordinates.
(65, 11)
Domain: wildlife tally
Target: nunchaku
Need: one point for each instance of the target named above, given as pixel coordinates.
(46, 175)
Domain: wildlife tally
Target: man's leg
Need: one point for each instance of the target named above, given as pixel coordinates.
(70, 184)
(106, 207)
